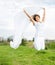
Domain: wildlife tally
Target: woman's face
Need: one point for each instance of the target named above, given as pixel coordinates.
(37, 18)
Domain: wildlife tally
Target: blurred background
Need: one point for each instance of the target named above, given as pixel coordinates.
(13, 22)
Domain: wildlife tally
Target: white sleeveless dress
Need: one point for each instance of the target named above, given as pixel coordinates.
(39, 39)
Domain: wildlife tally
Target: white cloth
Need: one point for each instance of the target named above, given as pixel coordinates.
(16, 42)
(39, 40)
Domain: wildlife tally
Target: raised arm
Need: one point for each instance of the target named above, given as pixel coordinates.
(30, 17)
(43, 18)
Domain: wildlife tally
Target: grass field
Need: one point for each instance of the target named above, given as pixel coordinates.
(26, 55)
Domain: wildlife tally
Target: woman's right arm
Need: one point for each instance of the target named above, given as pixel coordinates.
(31, 18)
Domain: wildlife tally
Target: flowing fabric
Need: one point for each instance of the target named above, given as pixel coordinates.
(20, 25)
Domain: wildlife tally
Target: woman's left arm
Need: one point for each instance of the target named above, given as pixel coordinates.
(43, 18)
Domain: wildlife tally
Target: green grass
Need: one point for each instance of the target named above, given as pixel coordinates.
(26, 55)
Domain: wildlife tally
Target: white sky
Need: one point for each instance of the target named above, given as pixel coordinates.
(10, 8)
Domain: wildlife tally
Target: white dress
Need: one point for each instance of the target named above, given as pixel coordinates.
(39, 39)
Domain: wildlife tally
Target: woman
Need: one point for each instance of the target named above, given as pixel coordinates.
(39, 40)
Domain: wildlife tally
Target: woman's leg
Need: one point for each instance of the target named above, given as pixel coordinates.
(43, 43)
(37, 43)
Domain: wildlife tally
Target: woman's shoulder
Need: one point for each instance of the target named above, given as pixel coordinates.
(42, 21)
(35, 22)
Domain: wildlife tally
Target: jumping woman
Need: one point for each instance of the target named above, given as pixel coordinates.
(39, 39)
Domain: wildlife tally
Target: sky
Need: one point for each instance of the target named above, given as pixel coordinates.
(11, 17)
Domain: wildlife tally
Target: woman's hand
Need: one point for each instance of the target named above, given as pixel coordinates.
(43, 8)
(23, 9)
(43, 18)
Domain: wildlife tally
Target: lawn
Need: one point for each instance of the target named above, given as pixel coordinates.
(25, 55)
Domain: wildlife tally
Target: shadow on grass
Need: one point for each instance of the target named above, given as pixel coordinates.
(41, 52)
(4, 61)
(52, 58)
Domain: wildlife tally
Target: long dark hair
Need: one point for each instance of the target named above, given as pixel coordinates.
(34, 16)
